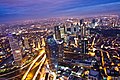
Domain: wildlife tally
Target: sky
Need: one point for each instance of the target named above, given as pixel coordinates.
(15, 10)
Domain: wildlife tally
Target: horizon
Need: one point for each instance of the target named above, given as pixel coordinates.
(21, 10)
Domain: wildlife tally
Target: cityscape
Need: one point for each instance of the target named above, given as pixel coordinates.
(51, 46)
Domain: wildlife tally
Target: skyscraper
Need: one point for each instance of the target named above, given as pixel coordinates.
(84, 41)
(26, 43)
(60, 49)
(83, 30)
(16, 49)
(57, 32)
(52, 52)
(62, 31)
(81, 21)
(77, 27)
(84, 46)
(93, 23)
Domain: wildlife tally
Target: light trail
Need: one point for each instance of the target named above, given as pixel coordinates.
(33, 62)
(42, 61)
(93, 42)
(103, 63)
(102, 58)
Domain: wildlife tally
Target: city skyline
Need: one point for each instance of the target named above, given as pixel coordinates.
(16, 10)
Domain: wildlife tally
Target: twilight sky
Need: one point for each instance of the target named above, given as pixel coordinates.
(15, 10)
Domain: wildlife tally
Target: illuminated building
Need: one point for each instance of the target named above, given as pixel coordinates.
(62, 31)
(52, 52)
(81, 21)
(83, 30)
(26, 43)
(57, 32)
(93, 23)
(36, 42)
(77, 27)
(83, 41)
(16, 49)
(72, 28)
(84, 46)
(60, 49)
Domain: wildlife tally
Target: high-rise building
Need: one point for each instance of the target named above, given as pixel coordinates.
(83, 30)
(72, 28)
(62, 31)
(36, 42)
(77, 27)
(60, 49)
(81, 21)
(84, 46)
(93, 23)
(16, 49)
(52, 52)
(83, 40)
(57, 32)
(26, 43)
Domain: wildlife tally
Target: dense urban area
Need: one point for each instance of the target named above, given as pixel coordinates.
(61, 49)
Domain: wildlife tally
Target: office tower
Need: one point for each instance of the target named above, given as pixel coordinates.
(60, 49)
(31, 45)
(36, 42)
(81, 21)
(100, 22)
(62, 31)
(83, 30)
(77, 27)
(88, 32)
(84, 46)
(52, 52)
(84, 41)
(72, 28)
(26, 43)
(93, 23)
(16, 49)
(57, 32)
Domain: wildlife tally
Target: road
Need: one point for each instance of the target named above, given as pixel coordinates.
(107, 62)
(36, 70)
(34, 66)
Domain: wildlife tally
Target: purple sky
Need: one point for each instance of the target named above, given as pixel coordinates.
(15, 10)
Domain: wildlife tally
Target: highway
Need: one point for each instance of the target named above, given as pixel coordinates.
(35, 63)
(42, 62)
(37, 69)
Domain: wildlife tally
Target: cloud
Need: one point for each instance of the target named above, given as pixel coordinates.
(25, 9)
(101, 8)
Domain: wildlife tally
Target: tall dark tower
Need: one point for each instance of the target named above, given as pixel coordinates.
(83, 30)
(84, 41)
(59, 35)
(61, 49)
(84, 46)
(57, 32)
(52, 52)
(81, 21)
(93, 21)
